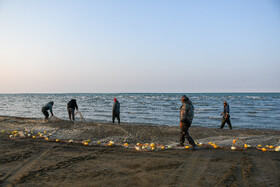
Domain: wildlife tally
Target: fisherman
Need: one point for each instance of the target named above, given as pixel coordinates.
(71, 106)
(186, 117)
(226, 116)
(47, 107)
(116, 110)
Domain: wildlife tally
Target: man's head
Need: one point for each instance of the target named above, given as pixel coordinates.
(115, 99)
(184, 98)
(52, 102)
(225, 103)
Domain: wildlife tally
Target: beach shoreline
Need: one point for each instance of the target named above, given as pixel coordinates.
(135, 133)
(35, 161)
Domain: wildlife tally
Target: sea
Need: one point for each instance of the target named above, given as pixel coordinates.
(247, 110)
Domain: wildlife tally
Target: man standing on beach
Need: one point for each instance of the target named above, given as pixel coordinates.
(47, 107)
(186, 117)
(226, 116)
(71, 105)
(116, 110)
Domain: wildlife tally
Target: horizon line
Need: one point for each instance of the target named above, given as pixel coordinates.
(136, 93)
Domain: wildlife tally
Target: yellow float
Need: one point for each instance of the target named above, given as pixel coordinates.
(152, 145)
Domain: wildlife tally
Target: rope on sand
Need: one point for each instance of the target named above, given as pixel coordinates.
(139, 146)
(77, 112)
(81, 116)
(56, 118)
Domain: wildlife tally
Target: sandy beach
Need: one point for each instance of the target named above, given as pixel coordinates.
(37, 162)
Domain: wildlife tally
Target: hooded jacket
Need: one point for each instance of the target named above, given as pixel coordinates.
(72, 104)
(48, 106)
(116, 108)
(186, 112)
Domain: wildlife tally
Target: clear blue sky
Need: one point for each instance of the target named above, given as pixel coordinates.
(63, 46)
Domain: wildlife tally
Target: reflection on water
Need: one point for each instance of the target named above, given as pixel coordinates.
(247, 110)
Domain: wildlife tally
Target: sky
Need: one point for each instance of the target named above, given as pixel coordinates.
(140, 46)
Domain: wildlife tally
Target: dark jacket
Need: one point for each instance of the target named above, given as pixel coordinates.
(116, 108)
(226, 111)
(186, 112)
(72, 104)
(48, 106)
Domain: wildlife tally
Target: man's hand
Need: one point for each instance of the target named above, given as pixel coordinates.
(181, 125)
(221, 114)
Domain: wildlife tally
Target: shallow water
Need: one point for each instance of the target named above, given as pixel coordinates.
(247, 110)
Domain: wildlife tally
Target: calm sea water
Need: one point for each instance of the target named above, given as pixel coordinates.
(248, 110)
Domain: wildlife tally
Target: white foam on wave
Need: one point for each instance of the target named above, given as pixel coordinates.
(263, 109)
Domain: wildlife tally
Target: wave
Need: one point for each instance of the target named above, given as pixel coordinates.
(253, 97)
(207, 109)
(214, 117)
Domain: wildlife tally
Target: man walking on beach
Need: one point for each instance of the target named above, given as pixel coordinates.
(186, 117)
(47, 107)
(226, 116)
(116, 110)
(71, 105)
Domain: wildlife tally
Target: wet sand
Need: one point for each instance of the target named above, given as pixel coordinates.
(36, 162)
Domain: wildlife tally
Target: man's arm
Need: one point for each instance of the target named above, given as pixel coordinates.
(51, 110)
(114, 108)
(227, 111)
(226, 116)
(183, 112)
